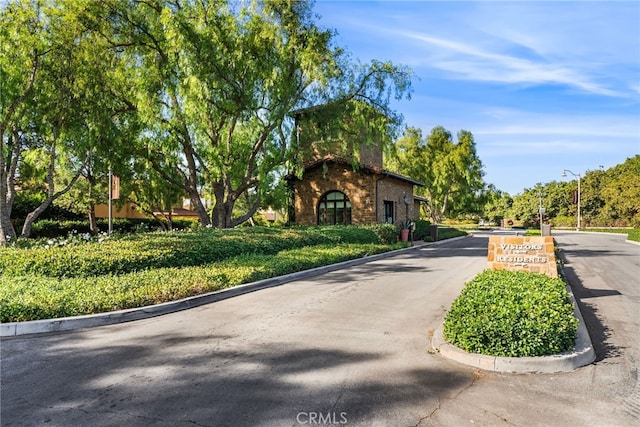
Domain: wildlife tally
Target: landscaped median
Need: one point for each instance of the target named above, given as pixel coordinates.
(47, 282)
(514, 321)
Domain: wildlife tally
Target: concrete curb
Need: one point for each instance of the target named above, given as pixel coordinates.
(583, 353)
(120, 316)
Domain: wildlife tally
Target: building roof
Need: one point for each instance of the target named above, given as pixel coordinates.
(371, 169)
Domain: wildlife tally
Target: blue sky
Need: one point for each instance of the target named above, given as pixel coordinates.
(543, 86)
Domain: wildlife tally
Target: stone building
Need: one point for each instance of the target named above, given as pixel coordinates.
(335, 188)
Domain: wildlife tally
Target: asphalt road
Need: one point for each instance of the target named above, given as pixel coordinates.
(346, 348)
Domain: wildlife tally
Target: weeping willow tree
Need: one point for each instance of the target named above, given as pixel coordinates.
(214, 85)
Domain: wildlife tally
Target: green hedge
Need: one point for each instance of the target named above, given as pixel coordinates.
(31, 297)
(422, 231)
(511, 313)
(50, 228)
(450, 233)
(178, 249)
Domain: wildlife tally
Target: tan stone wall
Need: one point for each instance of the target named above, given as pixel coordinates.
(394, 190)
(365, 154)
(359, 186)
(525, 253)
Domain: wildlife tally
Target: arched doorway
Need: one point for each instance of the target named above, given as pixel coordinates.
(334, 208)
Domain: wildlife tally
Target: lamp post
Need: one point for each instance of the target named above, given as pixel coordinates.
(541, 211)
(564, 173)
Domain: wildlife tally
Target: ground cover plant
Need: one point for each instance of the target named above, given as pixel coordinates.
(140, 252)
(512, 313)
(82, 278)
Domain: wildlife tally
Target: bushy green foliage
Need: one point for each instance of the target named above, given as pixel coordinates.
(53, 228)
(450, 233)
(422, 231)
(31, 297)
(386, 233)
(512, 313)
(179, 249)
(81, 275)
(26, 202)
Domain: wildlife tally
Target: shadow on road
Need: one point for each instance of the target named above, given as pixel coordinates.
(598, 331)
(204, 380)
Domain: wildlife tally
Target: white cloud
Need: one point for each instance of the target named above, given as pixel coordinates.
(590, 47)
(470, 62)
(515, 74)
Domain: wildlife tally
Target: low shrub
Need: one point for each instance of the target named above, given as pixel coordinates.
(50, 228)
(450, 233)
(512, 313)
(178, 249)
(422, 231)
(30, 297)
(386, 233)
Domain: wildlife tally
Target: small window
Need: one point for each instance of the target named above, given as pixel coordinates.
(389, 218)
(334, 208)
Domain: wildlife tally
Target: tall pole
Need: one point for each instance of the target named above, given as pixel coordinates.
(579, 202)
(110, 201)
(540, 210)
(564, 173)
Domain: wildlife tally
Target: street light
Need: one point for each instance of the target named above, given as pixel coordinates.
(541, 211)
(564, 173)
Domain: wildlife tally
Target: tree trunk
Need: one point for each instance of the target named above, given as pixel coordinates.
(170, 220)
(249, 215)
(51, 194)
(221, 215)
(7, 232)
(218, 215)
(7, 187)
(32, 216)
(198, 207)
(93, 225)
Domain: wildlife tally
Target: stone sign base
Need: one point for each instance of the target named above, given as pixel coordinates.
(523, 253)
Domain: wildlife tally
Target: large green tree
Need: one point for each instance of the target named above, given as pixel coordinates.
(215, 82)
(451, 170)
(21, 52)
(58, 112)
(608, 198)
(620, 192)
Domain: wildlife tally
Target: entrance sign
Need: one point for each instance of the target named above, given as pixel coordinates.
(524, 253)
